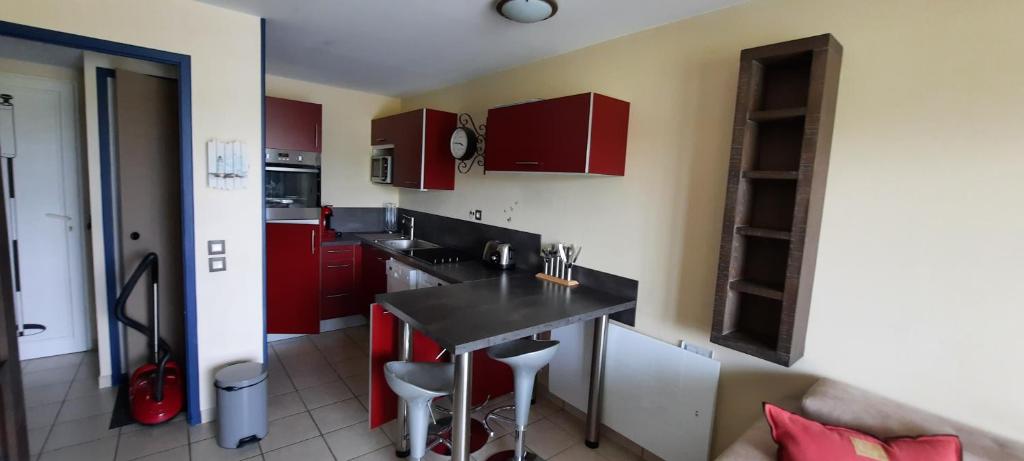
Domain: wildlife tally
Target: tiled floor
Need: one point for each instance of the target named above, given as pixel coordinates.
(317, 411)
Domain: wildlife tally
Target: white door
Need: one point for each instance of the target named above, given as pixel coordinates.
(47, 216)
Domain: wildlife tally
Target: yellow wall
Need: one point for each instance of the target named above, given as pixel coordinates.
(225, 50)
(921, 239)
(347, 113)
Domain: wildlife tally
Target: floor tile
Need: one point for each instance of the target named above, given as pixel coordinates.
(325, 394)
(36, 438)
(56, 361)
(79, 431)
(359, 335)
(85, 388)
(49, 376)
(615, 452)
(283, 405)
(98, 450)
(174, 454)
(547, 439)
(41, 415)
(150, 440)
(338, 415)
(81, 407)
(314, 449)
(359, 384)
(286, 431)
(310, 376)
(568, 423)
(278, 383)
(358, 365)
(578, 452)
(202, 431)
(50, 393)
(208, 450)
(355, 440)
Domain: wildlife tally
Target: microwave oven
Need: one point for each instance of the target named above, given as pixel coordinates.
(380, 168)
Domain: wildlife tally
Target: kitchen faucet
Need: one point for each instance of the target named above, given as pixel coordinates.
(410, 225)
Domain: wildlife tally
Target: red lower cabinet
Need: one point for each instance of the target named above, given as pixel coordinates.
(490, 377)
(340, 268)
(383, 349)
(293, 278)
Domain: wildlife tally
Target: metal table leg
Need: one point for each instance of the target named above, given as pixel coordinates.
(461, 405)
(405, 355)
(596, 382)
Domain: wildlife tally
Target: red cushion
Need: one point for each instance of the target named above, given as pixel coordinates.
(801, 439)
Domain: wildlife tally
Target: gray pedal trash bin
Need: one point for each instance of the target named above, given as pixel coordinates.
(241, 404)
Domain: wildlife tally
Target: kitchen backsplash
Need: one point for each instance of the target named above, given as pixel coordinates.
(358, 219)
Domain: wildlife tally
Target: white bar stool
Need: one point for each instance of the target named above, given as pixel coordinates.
(419, 384)
(526, 357)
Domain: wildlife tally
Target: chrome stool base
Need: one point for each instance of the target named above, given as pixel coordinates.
(510, 455)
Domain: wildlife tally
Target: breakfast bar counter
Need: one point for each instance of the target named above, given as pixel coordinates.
(471, 316)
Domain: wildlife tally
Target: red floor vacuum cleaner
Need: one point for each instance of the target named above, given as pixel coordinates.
(155, 391)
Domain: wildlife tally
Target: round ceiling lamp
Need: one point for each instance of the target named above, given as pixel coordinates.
(527, 11)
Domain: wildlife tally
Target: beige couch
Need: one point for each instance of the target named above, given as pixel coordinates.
(838, 404)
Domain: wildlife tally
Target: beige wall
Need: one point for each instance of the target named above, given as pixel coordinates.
(347, 113)
(225, 55)
(922, 226)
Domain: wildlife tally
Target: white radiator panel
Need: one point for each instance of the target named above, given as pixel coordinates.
(656, 394)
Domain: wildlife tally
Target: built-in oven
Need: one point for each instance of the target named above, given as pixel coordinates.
(291, 183)
(380, 164)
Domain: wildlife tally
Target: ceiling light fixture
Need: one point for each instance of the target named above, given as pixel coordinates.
(527, 11)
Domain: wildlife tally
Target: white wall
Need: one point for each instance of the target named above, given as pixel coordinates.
(920, 244)
(225, 55)
(347, 113)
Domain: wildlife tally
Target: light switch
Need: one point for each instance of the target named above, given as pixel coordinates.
(219, 264)
(216, 247)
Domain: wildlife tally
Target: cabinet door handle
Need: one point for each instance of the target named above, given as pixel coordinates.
(312, 241)
(316, 134)
(338, 266)
(527, 163)
(379, 140)
(339, 251)
(337, 295)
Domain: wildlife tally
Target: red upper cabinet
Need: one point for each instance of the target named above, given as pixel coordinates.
(421, 156)
(293, 278)
(585, 133)
(293, 125)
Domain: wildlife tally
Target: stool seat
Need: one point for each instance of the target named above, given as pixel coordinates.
(418, 384)
(526, 357)
(412, 380)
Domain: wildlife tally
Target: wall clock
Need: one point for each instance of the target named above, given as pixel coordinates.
(463, 143)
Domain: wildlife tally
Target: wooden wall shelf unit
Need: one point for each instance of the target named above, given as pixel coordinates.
(782, 133)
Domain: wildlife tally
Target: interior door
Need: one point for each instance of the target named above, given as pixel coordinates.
(149, 190)
(42, 185)
(293, 278)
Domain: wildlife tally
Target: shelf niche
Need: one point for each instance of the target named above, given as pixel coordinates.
(782, 134)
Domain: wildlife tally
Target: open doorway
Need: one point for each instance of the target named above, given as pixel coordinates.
(111, 210)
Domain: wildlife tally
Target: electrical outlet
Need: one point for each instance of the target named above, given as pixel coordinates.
(478, 215)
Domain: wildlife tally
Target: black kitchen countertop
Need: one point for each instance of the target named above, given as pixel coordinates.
(474, 315)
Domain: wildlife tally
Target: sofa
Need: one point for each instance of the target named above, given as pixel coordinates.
(838, 404)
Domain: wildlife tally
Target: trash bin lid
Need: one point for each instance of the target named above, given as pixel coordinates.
(243, 374)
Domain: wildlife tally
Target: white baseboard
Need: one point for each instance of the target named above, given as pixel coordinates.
(105, 381)
(325, 326)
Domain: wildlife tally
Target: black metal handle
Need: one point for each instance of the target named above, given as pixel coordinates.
(151, 263)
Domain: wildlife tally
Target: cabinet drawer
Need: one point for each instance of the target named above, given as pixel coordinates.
(333, 254)
(338, 305)
(338, 277)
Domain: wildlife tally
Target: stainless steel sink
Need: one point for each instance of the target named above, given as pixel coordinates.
(408, 244)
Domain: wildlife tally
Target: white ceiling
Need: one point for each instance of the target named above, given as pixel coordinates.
(398, 47)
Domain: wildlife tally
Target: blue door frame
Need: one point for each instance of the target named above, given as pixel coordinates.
(184, 66)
